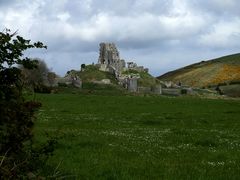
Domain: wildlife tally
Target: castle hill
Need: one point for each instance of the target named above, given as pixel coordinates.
(212, 78)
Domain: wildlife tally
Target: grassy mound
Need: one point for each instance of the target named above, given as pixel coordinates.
(92, 73)
(145, 80)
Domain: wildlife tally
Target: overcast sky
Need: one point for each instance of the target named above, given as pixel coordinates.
(159, 34)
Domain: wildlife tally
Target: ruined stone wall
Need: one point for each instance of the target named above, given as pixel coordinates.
(150, 90)
(109, 60)
(134, 66)
(132, 85)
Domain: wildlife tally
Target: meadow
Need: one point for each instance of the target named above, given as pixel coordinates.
(140, 137)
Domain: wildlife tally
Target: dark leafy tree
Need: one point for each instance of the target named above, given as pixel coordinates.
(83, 66)
(16, 114)
(40, 78)
(51, 76)
(36, 76)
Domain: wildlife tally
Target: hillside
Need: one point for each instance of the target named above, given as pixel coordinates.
(91, 73)
(205, 73)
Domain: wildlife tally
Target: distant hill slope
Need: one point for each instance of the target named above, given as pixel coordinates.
(205, 73)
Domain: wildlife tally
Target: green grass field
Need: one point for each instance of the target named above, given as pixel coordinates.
(133, 137)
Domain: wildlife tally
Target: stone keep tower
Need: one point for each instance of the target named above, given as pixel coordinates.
(109, 59)
(108, 54)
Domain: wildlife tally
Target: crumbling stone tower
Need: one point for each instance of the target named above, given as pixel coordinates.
(108, 54)
(109, 59)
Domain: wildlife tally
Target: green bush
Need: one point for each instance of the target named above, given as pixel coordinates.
(43, 89)
(183, 91)
(62, 84)
(17, 115)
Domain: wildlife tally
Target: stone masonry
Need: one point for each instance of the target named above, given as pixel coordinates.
(109, 60)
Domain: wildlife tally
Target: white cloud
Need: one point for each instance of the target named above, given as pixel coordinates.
(174, 31)
(63, 16)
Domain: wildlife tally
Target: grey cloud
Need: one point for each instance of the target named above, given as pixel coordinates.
(160, 34)
(4, 3)
(223, 9)
(130, 7)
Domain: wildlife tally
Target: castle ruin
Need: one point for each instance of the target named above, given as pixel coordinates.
(109, 61)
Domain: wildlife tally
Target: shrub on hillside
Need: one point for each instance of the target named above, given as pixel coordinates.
(183, 91)
(43, 89)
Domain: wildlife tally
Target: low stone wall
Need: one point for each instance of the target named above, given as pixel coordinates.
(157, 89)
(132, 84)
(171, 91)
(152, 90)
(144, 89)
